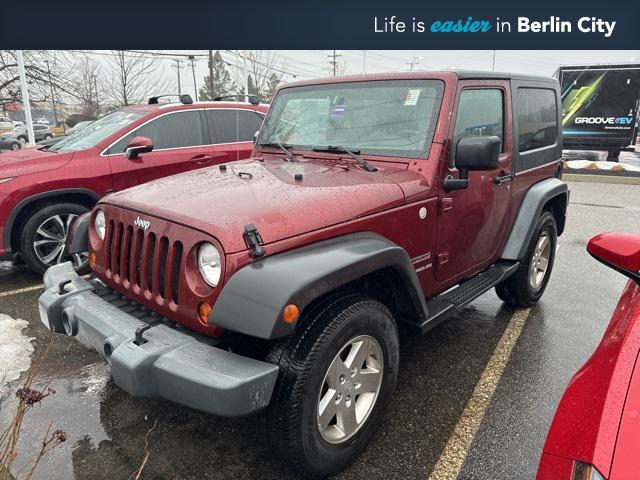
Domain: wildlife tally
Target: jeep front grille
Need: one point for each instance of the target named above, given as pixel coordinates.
(144, 261)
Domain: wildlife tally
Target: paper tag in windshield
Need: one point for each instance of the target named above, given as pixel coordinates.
(412, 97)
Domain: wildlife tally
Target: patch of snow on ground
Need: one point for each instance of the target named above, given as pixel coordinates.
(15, 351)
(95, 377)
(600, 165)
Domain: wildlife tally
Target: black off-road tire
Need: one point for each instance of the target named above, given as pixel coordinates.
(517, 289)
(291, 418)
(30, 227)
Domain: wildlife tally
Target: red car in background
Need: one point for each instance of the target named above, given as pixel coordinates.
(42, 191)
(596, 430)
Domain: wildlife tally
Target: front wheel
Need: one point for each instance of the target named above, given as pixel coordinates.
(44, 235)
(337, 374)
(525, 287)
(15, 147)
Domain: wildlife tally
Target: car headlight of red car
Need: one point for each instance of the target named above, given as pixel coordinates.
(584, 471)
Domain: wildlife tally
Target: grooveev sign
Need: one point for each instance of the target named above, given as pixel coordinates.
(604, 120)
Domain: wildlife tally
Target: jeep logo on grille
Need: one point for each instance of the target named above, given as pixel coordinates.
(143, 224)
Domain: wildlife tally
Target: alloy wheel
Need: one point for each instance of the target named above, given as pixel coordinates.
(540, 261)
(350, 389)
(49, 242)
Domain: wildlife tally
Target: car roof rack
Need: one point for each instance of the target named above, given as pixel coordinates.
(252, 99)
(184, 98)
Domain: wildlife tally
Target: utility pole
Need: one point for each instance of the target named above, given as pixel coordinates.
(211, 85)
(178, 67)
(414, 61)
(53, 98)
(193, 71)
(26, 105)
(95, 87)
(334, 61)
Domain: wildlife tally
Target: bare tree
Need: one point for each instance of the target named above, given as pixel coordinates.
(266, 70)
(133, 77)
(43, 69)
(88, 85)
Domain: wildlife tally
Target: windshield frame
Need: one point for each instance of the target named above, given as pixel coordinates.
(439, 84)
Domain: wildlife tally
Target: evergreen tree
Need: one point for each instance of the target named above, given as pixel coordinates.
(222, 83)
(272, 86)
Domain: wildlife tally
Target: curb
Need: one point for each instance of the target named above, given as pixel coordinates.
(581, 177)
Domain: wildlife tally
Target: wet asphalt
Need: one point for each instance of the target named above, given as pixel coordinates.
(438, 373)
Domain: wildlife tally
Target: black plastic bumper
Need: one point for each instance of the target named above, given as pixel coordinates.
(172, 363)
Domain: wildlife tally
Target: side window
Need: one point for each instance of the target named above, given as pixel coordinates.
(233, 125)
(480, 113)
(537, 118)
(175, 130)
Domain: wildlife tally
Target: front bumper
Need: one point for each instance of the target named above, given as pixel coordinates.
(171, 363)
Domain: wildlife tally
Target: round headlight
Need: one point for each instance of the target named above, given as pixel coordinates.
(209, 264)
(100, 224)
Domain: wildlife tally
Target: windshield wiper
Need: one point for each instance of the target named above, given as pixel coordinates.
(282, 146)
(353, 153)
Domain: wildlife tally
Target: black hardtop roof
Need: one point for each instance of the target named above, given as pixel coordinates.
(476, 74)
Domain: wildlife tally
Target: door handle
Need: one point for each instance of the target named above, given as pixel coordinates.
(503, 178)
(202, 158)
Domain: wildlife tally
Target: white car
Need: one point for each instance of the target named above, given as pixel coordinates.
(6, 123)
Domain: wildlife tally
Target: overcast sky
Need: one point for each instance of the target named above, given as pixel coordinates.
(306, 64)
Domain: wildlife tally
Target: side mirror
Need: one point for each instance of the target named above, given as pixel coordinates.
(620, 251)
(473, 153)
(137, 146)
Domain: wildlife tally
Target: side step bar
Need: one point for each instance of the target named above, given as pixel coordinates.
(438, 307)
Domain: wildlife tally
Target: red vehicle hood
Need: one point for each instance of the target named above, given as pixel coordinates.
(31, 160)
(266, 193)
(588, 418)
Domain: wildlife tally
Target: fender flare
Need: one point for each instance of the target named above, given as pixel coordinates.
(34, 198)
(534, 201)
(252, 300)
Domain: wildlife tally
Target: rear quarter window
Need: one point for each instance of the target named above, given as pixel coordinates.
(537, 118)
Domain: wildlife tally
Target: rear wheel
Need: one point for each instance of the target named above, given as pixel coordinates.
(44, 235)
(525, 287)
(15, 146)
(22, 141)
(337, 374)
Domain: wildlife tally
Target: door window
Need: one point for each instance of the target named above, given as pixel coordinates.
(233, 125)
(480, 113)
(175, 130)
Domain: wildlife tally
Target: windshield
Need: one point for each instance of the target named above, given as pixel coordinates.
(391, 117)
(93, 134)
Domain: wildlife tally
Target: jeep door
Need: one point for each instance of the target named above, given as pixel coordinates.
(232, 132)
(472, 221)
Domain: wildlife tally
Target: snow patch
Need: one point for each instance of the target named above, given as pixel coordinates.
(600, 165)
(95, 377)
(15, 351)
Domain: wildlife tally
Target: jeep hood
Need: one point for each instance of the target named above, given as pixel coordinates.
(31, 160)
(266, 193)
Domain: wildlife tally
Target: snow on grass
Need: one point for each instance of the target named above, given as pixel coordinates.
(15, 351)
(600, 165)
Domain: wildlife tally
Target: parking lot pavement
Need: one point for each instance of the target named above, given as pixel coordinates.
(437, 388)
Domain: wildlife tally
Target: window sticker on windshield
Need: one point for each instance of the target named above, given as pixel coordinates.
(338, 110)
(412, 97)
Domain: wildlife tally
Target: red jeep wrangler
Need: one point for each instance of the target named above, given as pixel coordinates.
(278, 282)
(43, 190)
